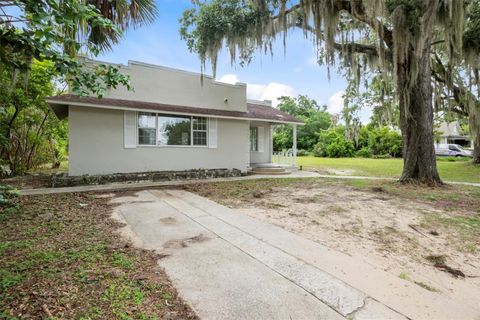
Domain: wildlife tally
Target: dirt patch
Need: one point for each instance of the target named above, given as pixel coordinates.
(339, 172)
(168, 220)
(183, 243)
(390, 226)
(61, 257)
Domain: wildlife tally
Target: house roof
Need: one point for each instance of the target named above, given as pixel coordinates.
(255, 111)
(451, 130)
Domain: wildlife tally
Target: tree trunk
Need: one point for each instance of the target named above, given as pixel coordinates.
(474, 124)
(416, 121)
(476, 150)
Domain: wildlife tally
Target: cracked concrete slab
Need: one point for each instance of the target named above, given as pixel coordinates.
(230, 266)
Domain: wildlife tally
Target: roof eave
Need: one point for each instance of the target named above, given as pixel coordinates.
(60, 105)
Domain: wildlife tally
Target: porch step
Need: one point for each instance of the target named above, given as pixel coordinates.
(270, 170)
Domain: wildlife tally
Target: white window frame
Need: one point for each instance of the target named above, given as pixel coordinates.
(138, 128)
(197, 130)
(156, 145)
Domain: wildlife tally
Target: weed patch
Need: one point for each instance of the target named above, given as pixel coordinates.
(61, 258)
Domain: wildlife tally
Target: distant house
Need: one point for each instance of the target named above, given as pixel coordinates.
(450, 132)
(170, 122)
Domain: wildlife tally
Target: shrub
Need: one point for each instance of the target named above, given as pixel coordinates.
(383, 141)
(332, 143)
(302, 153)
(364, 152)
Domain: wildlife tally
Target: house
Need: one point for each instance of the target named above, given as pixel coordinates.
(450, 133)
(171, 121)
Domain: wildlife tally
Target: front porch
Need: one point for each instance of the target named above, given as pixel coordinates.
(263, 159)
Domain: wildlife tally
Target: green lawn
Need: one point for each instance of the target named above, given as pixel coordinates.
(463, 171)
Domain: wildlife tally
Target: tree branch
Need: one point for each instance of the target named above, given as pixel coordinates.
(355, 9)
(362, 48)
(353, 46)
(458, 92)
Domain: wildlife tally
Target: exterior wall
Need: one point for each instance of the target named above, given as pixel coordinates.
(160, 84)
(96, 146)
(443, 140)
(266, 155)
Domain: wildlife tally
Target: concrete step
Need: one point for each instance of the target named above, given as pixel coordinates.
(277, 173)
(268, 170)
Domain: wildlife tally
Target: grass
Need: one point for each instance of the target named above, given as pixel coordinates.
(461, 171)
(63, 260)
(426, 286)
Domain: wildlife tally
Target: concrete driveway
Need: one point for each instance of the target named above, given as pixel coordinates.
(231, 266)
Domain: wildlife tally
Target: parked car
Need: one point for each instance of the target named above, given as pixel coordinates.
(451, 150)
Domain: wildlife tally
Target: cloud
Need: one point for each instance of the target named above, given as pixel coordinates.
(335, 102)
(271, 91)
(229, 78)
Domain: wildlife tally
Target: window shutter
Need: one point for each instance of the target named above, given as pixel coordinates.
(130, 129)
(261, 139)
(212, 133)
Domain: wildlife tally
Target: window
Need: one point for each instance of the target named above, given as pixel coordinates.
(453, 148)
(171, 130)
(199, 129)
(174, 130)
(146, 128)
(253, 139)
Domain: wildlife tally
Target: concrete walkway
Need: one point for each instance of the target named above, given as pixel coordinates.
(231, 266)
(150, 184)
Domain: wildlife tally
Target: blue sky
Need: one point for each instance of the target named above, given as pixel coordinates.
(267, 77)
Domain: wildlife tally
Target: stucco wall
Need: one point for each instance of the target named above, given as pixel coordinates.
(96, 146)
(266, 155)
(160, 84)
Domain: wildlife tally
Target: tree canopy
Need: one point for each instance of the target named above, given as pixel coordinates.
(392, 36)
(58, 30)
(315, 117)
(41, 41)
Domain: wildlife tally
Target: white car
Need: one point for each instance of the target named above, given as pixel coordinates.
(451, 150)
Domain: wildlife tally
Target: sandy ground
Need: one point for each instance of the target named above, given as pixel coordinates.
(375, 227)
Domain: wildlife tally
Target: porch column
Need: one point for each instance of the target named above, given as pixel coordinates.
(294, 147)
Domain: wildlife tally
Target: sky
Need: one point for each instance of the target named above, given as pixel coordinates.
(267, 77)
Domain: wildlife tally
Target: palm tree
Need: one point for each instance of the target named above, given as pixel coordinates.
(124, 14)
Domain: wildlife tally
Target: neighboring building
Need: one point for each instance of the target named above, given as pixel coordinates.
(171, 121)
(450, 133)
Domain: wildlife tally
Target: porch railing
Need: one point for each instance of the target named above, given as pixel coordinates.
(284, 157)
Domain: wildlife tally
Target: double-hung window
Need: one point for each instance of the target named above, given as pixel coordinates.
(171, 130)
(147, 128)
(199, 131)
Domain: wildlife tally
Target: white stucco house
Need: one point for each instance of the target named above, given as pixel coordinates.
(171, 121)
